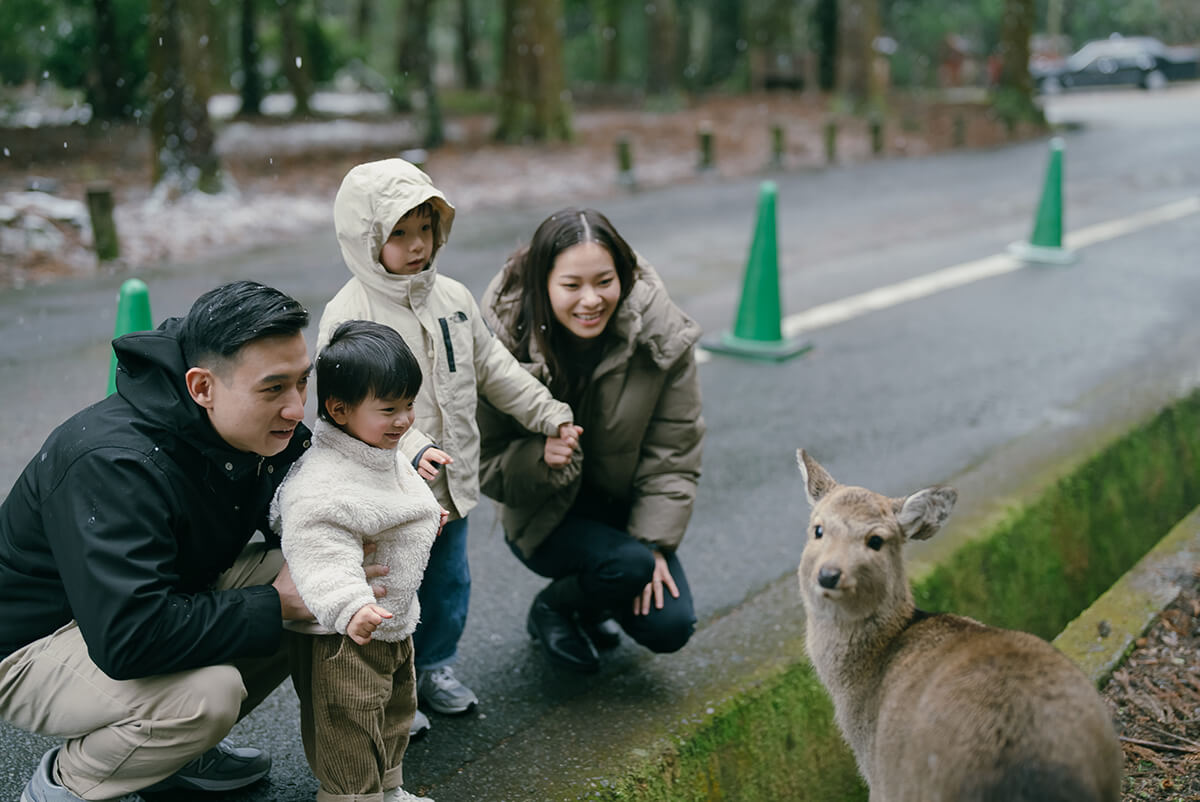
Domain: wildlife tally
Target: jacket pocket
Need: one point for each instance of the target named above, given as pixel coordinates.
(448, 337)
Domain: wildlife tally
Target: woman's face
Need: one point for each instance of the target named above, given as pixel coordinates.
(584, 289)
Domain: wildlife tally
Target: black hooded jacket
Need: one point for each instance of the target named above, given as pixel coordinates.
(126, 517)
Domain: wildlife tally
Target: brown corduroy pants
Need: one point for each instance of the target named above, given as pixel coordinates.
(356, 706)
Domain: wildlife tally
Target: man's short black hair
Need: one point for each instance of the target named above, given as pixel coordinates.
(224, 320)
(364, 358)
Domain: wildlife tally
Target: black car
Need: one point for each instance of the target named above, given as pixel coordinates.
(1136, 60)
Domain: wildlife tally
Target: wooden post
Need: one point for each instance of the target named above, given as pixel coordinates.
(707, 159)
(777, 146)
(104, 230)
(831, 127)
(960, 131)
(876, 124)
(625, 162)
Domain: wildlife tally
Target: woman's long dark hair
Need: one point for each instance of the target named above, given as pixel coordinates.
(529, 271)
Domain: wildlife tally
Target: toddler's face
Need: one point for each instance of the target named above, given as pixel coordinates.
(378, 422)
(409, 247)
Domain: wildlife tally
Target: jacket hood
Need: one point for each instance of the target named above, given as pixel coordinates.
(372, 197)
(647, 317)
(150, 377)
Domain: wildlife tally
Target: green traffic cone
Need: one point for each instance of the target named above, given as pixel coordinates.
(757, 331)
(133, 314)
(1045, 245)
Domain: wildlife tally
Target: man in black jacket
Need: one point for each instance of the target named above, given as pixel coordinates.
(138, 620)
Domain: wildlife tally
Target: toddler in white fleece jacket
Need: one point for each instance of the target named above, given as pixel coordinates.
(353, 489)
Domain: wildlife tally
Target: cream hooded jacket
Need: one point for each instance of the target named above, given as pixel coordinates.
(339, 496)
(642, 427)
(439, 320)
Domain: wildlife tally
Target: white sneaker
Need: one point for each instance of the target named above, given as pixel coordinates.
(420, 725)
(400, 795)
(441, 691)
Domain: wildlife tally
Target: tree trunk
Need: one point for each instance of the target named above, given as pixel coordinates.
(362, 20)
(660, 46)
(252, 85)
(1014, 93)
(726, 32)
(610, 41)
(685, 67)
(415, 65)
(293, 57)
(533, 96)
(825, 27)
(857, 79)
(184, 156)
(466, 47)
(110, 93)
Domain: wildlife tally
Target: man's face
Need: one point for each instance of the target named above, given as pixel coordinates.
(257, 399)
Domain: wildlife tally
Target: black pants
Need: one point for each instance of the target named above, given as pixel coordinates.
(613, 568)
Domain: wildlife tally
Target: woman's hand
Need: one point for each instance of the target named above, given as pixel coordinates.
(559, 449)
(432, 459)
(662, 577)
(443, 516)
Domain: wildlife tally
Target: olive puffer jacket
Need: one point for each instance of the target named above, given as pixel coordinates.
(641, 419)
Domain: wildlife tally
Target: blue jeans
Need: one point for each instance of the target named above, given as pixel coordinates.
(445, 595)
(613, 567)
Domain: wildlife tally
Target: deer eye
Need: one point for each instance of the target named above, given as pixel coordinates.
(818, 530)
(875, 543)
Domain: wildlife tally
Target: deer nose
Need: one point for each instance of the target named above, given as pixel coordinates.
(828, 578)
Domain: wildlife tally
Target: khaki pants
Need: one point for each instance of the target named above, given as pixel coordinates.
(356, 705)
(123, 735)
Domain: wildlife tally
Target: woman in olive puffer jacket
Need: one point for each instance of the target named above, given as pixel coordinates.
(602, 517)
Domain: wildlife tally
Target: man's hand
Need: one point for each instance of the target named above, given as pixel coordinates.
(662, 577)
(431, 460)
(365, 622)
(559, 449)
(374, 571)
(292, 606)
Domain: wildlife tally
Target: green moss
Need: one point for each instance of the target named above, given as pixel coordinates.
(1046, 562)
(778, 741)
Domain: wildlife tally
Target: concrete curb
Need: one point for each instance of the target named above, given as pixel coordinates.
(1100, 638)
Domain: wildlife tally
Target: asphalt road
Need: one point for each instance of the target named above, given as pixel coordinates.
(896, 398)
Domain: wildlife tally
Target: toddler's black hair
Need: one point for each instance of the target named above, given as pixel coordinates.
(362, 359)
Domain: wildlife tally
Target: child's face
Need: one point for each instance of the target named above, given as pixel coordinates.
(584, 289)
(378, 422)
(409, 247)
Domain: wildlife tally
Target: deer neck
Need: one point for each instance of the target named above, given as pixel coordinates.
(851, 656)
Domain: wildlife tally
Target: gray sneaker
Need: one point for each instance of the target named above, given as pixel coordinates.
(441, 691)
(400, 795)
(42, 788)
(419, 727)
(225, 767)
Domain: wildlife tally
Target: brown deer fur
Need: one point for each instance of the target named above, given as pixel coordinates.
(938, 707)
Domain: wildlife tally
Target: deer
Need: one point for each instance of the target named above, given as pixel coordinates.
(938, 707)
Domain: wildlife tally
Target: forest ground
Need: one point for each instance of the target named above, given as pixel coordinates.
(282, 174)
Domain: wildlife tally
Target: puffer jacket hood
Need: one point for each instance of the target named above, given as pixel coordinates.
(372, 198)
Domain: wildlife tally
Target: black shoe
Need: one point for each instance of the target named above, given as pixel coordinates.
(561, 638)
(604, 633)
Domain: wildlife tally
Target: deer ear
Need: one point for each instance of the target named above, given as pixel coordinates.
(817, 483)
(923, 513)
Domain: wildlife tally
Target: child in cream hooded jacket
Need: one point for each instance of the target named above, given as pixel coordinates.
(460, 358)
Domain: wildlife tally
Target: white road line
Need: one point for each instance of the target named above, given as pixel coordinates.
(883, 297)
